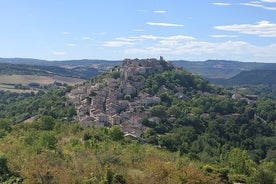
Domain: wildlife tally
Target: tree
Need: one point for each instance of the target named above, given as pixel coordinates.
(158, 110)
(240, 162)
(48, 140)
(116, 133)
(47, 123)
(5, 127)
(4, 171)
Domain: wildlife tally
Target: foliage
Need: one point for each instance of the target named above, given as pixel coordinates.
(20, 107)
(173, 79)
(64, 156)
(116, 133)
(202, 136)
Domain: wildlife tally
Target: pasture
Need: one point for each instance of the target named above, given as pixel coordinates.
(7, 82)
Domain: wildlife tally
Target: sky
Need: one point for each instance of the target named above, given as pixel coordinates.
(194, 30)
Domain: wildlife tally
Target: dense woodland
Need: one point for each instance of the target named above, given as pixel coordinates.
(203, 136)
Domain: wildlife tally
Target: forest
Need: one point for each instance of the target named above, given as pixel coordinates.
(202, 135)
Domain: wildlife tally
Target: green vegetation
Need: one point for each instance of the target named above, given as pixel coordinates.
(252, 77)
(202, 136)
(20, 107)
(49, 151)
(68, 153)
(263, 91)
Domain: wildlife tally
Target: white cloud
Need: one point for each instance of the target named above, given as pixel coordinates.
(269, 1)
(145, 39)
(222, 4)
(139, 30)
(85, 38)
(164, 24)
(160, 11)
(179, 37)
(71, 45)
(59, 53)
(117, 43)
(259, 4)
(197, 49)
(262, 28)
(152, 37)
(224, 36)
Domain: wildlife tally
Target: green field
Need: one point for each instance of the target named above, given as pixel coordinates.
(7, 82)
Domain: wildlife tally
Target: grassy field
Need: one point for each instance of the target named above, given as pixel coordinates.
(7, 82)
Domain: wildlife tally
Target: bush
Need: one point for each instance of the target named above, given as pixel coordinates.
(116, 133)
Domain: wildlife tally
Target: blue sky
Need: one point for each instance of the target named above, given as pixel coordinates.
(116, 29)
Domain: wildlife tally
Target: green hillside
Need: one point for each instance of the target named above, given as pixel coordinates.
(220, 68)
(172, 127)
(255, 77)
(252, 77)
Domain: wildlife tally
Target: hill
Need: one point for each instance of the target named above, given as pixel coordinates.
(208, 69)
(154, 101)
(220, 68)
(101, 64)
(29, 77)
(252, 77)
(145, 121)
(122, 94)
(43, 70)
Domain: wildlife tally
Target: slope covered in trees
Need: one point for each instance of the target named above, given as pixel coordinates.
(196, 133)
(253, 77)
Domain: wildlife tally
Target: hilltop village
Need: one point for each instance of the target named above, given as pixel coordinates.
(116, 100)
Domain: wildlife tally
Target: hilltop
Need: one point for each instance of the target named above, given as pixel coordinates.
(154, 101)
(125, 94)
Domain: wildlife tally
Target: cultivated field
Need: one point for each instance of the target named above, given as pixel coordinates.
(7, 82)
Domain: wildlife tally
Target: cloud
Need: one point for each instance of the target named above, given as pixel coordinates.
(144, 39)
(179, 37)
(224, 36)
(59, 53)
(71, 45)
(269, 1)
(258, 4)
(262, 28)
(139, 30)
(85, 38)
(160, 11)
(164, 24)
(197, 50)
(65, 33)
(152, 37)
(117, 43)
(222, 4)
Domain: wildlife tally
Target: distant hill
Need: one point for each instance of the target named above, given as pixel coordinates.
(254, 77)
(28, 69)
(211, 69)
(220, 68)
(82, 62)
